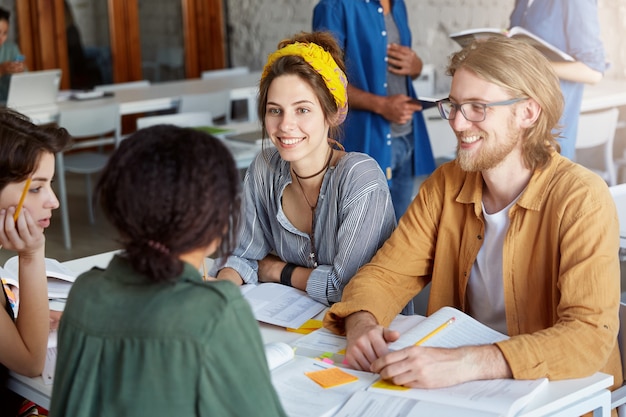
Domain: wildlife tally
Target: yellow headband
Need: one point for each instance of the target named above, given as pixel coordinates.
(324, 64)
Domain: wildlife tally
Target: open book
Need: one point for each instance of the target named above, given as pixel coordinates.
(465, 37)
(448, 327)
(60, 278)
(280, 305)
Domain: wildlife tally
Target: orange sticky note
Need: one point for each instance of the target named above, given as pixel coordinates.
(331, 377)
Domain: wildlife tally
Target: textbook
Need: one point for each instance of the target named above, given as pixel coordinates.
(465, 37)
(450, 328)
(60, 278)
(280, 305)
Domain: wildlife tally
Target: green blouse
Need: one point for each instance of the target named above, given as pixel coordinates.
(128, 346)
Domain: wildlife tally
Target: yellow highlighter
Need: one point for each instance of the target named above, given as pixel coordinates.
(21, 203)
(434, 332)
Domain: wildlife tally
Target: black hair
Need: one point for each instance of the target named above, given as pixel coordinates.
(169, 190)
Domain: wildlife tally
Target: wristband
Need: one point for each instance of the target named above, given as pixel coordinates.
(285, 274)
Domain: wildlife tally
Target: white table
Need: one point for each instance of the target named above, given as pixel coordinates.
(560, 398)
(155, 97)
(603, 95)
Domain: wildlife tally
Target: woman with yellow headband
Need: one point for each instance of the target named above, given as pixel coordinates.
(313, 213)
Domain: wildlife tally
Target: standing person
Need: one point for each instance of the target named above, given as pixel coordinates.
(26, 152)
(11, 59)
(148, 336)
(313, 213)
(512, 233)
(384, 120)
(573, 27)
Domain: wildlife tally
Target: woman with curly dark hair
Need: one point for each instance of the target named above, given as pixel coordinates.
(149, 336)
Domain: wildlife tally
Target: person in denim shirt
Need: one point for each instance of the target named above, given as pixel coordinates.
(573, 27)
(384, 120)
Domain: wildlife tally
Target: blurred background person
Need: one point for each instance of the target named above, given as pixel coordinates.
(573, 27)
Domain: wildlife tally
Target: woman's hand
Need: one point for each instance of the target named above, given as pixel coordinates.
(270, 268)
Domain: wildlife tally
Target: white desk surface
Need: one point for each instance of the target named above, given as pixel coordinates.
(607, 93)
(560, 398)
(156, 96)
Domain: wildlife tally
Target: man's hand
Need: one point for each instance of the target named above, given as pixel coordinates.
(366, 340)
(425, 367)
(403, 60)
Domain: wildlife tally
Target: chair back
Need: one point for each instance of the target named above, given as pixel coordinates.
(122, 86)
(597, 129)
(97, 121)
(226, 72)
(191, 119)
(250, 95)
(216, 103)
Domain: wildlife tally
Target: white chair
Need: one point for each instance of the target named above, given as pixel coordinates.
(597, 130)
(251, 96)
(217, 103)
(618, 396)
(99, 126)
(107, 88)
(191, 119)
(226, 72)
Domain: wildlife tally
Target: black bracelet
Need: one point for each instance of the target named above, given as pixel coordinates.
(285, 274)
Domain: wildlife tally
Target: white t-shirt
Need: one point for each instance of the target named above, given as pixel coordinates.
(485, 290)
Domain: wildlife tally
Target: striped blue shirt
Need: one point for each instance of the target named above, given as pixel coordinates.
(354, 217)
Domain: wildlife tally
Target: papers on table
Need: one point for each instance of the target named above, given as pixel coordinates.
(51, 359)
(280, 305)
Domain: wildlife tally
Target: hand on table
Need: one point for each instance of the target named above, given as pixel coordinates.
(270, 268)
(366, 340)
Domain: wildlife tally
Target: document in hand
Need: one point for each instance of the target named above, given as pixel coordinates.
(299, 394)
(465, 37)
(280, 305)
(60, 278)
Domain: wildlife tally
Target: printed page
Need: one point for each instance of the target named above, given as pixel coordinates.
(500, 396)
(302, 397)
(464, 331)
(51, 359)
(370, 404)
(278, 353)
(60, 278)
(282, 305)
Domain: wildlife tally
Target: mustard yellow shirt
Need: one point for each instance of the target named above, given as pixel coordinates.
(560, 267)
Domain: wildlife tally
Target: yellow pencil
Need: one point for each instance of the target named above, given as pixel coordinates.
(21, 203)
(205, 277)
(434, 332)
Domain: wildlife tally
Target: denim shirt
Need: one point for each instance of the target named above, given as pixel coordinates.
(359, 27)
(573, 27)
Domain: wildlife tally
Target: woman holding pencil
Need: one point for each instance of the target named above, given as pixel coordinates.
(313, 213)
(149, 336)
(26, 204)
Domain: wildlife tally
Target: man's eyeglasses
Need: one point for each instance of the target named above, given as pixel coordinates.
(472, 111)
